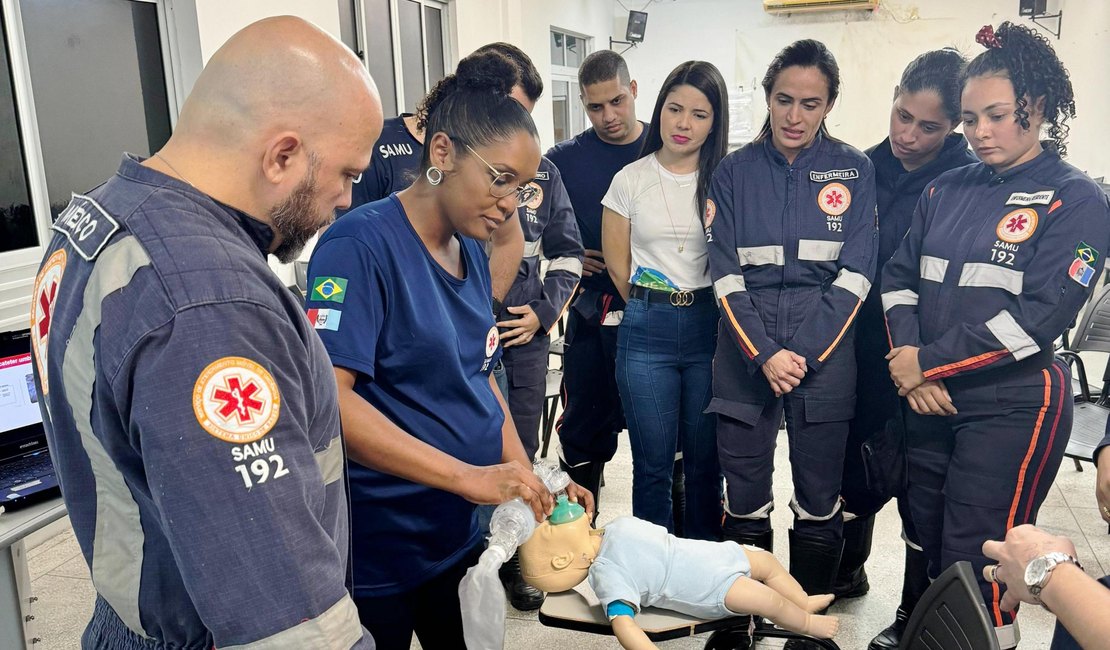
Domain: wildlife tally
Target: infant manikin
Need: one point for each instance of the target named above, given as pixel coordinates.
(633, 564)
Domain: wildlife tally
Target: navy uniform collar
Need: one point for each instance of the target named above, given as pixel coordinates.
(260, 233)
(1046, 157)
(804, 156)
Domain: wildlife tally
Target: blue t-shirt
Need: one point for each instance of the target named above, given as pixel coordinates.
(588, 165)
(423, 343)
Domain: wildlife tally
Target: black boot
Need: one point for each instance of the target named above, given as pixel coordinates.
(522, 595)
(813, 563)
(589, 476)
(914, 583)
(764, 540)
(851, 579)
(678, 499)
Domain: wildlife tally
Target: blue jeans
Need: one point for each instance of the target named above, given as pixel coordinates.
(665, 375)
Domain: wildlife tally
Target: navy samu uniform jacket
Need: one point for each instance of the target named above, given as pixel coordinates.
(996, 266)
(193, 419)
(550, 229)
(791, 254)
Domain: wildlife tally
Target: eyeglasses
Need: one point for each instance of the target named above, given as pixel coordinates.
(504, 183)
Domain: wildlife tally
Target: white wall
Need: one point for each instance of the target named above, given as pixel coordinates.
(872, 49)
(527, 24)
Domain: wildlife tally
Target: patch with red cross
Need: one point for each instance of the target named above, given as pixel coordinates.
(834, 199)
(1017, 226)
(492, 339)
(236, 400)
(44, 296)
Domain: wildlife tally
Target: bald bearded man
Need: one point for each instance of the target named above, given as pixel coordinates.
(190, 407)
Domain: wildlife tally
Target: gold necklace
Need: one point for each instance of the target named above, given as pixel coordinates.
(674, 229)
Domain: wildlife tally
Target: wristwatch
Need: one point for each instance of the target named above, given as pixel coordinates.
(1039, 570)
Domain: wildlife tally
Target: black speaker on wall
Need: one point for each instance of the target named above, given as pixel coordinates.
(637, 23)
(1032, 7)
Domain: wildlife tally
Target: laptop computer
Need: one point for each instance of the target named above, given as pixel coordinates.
(26, 474)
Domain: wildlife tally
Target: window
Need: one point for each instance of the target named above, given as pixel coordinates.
(99, 85)
(17, 221)
(405, 49)
(82, 82)
(567, 53)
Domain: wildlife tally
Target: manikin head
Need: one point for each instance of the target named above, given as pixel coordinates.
(558, 557)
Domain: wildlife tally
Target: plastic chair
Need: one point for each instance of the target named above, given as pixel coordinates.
(1091, 411)
(951, 615)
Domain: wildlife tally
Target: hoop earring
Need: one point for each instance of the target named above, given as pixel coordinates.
(434, 175)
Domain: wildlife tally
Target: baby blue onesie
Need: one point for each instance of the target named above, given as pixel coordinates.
(645, 566)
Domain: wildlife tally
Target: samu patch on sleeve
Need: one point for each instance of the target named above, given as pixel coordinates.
(86, 225)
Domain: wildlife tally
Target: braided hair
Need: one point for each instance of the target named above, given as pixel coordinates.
(473, 106)
(1028, 60)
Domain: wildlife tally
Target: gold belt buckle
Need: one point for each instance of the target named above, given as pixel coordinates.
(682, 298)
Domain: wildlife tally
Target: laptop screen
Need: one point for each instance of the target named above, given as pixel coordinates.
(19, 406)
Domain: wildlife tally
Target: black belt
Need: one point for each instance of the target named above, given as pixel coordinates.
(673, 298)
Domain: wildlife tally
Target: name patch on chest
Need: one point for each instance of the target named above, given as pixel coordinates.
(1044, 197)
(834, 175)
(86, 225)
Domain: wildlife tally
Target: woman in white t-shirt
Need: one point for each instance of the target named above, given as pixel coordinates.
(655, 250)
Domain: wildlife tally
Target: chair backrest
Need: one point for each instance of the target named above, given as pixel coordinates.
(950, 615)
(1093, 333)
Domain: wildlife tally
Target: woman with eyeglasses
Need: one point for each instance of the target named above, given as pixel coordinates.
(401, 300)
(652, 232)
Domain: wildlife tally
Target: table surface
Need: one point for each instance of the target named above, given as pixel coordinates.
(14, 526)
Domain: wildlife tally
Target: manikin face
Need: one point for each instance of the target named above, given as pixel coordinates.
(611, 107)
(685, 121)
(918, 127)
(991, 127)
(557, 558)
(798, 103)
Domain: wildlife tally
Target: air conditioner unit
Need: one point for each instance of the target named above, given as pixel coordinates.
(799, 6)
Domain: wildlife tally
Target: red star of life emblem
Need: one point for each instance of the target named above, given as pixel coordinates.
(492, 340)
(46, 304)
(238, 400)
(834, 199)
(1017, 223)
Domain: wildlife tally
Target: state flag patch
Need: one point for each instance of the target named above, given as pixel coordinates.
(325, 319)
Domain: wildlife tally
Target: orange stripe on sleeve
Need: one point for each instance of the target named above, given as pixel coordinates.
(996, 598)
(1032, 448)
(966, 364)
(889, 337)
(1055, 205)
(563, 311)
(750, 351)
(844, 329)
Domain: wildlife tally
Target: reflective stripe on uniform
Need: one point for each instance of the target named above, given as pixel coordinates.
(892, 299)
(337, 628)
(760, 255)
(818, 250)
(330, 461)
(763, 512)
(729, 284)
(857, 283)
(804, 515)
(571, 265)
(117, 553)
(933, 268)
(532, 248)
(1012, 336)
(991, 276)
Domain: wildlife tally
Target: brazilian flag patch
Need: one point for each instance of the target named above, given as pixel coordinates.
(1086, 252)
(329, 289)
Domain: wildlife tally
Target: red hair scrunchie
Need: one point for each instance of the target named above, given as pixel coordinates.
(987, 38)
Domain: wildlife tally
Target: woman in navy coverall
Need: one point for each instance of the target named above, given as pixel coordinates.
(791, 251)
(920, 147)
(1000, 257)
